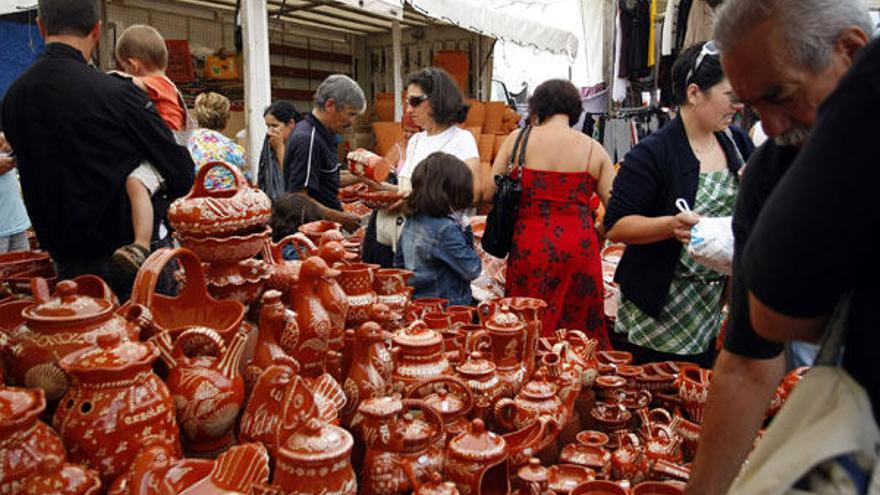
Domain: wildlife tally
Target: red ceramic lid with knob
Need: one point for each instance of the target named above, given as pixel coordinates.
(533, 472)
(505, 320)
(67, 306)
(478, 444)
(448, 405)
(539, 388)
(110, 356)
(417, 335)
(19, 406)
(318, 442)
(476, 366)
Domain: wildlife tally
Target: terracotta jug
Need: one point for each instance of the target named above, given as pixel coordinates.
(25, 441)
(509, 340)
(391, 288)
(315, 325)
(537, 398)
(693, 389)
(356, 281)
(370, 373)
(262, 414)
(58, 478)
(441, 322)
(208, 391)
(219, 212)
(411, 452)
(424, 305)
(476, 461)
(55, 326)
(284, 274)
(481, 377)
(418, 356)
(531, 311)
(277, 337)
(314, 457)
(115, 401)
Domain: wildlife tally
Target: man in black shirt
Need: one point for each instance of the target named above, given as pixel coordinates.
(311, 165)
(77, 134)
(786, 91)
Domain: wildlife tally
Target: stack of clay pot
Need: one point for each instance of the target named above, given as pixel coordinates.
(226, 228)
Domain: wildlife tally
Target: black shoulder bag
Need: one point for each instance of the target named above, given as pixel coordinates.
(498, 235)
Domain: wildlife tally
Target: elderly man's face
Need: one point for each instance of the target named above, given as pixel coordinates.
(341, 118)
(786, 97)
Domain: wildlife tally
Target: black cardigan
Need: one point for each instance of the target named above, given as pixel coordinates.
(659, 170)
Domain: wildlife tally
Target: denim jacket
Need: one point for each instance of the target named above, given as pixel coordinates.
(441, 253)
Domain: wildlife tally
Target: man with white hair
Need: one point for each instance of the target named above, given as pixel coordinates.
(311, 166)
(784, 58)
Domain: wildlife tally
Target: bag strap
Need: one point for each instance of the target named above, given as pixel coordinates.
(835, 334)
(522, 151)
(512, 158)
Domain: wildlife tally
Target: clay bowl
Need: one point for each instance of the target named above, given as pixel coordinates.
(226, 249)
(629, 372)
(563, 478)
(593, 457)
(313, 230)
(10, 314)
(614, 357)
(607, 384)
(658, 488)
(243, 281)
(352, 193)
(20, 283)
(658, 377)
(592, 438)
(21, 261)
(600, 487)
(380, 200)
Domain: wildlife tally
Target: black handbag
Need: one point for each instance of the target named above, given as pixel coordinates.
(498, 235)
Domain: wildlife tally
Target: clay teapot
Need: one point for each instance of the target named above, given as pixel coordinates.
(509, 336)
(476, 461)
(277, 337)
(531, 311)
(629, 460)
(535, 477)
(410, 452)
(55, 326)
(436, 486)
(536, 398)
(577, 353)
(220, 212)
(481, 377)
(25, 441)
(208, 391)
(418, 356)
(313, 455)
(115, 401)
(369, 375)
(451, 398)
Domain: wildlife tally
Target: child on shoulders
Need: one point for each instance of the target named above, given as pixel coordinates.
(437, 242)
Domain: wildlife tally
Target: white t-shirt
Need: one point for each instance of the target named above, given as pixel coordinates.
(455, 141)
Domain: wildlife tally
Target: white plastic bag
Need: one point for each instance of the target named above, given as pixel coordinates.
(711, 241)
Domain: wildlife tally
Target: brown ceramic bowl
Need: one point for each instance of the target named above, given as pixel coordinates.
(658, 488)
(563, 478)
(600, 487)
(380, 200)
(227, 249)
(592, 438)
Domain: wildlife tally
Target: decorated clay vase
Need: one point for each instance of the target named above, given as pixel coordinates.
(216, 212)
(419, 356)
(693, 389)
(315, 325)
(368, 164)
(115, 401)
(25, 441)
(476, 461)
(262, 415)
(391, 288)
(481, 377)
(509, 341)
(277, 337)
(207, 390)
(357, 282)
(55, 326)
(369, 375)
(537, 398)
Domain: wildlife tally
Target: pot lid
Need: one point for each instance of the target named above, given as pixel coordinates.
(417, 335)
(476, 366)
(67, 305)
(415, 432)
(448, 405)
(316, 441)
(110, 354)
(437, 486)
(478, 444)
(505, 320)
(381, 407)
(533, 472)
(538, 388)
(18, 406)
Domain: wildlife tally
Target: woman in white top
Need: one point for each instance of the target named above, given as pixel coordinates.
(436, 105)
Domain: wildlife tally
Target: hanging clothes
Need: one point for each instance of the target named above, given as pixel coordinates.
(701, 21)
(667, 43)
(652, 33)
(681, 23)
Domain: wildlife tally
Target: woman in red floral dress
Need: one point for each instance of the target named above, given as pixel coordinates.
(555, 251)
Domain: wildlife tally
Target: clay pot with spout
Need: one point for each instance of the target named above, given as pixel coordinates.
(451, 398)
(370, 372)
(57, 325)
(481, 377)
(25, 441)
(356, 281)
(208, 391)
(410, 452)
(418, 356)
(509, 336)
(391, 288)
(313, 455)
(476, 461)
(315, 325)
(115, 402)
(629, 461)
(531, 311)
(277, 337)
(536, 398)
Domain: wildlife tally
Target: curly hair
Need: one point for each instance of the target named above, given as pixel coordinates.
(212, 111)
(553, 97)
(447, 103)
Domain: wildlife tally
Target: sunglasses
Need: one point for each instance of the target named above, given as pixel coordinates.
(708, 49)
(416, 100)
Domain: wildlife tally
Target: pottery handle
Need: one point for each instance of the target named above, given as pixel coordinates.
(40, 290)
(194, 290)
(466, 395)
(485, 310)
(139, 320)
(504, 411)
(303, 246)
(431, 414)
(163, 342)
(199, 190)
(480, 340)
(200, 335)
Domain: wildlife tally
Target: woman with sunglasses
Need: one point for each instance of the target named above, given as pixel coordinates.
(671, 307)
(435, 104)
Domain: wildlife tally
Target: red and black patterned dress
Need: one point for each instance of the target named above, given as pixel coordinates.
(555, 252)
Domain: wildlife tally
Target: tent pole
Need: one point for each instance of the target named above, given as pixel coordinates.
(397, 61)
(257, 82)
